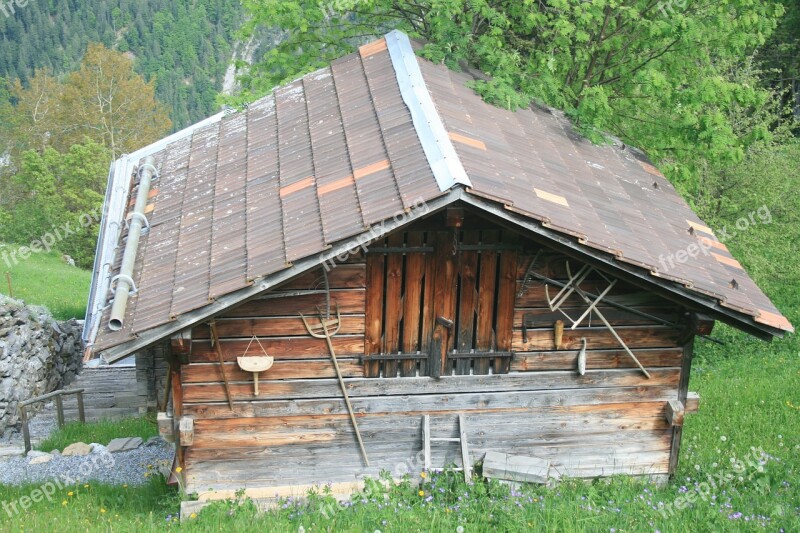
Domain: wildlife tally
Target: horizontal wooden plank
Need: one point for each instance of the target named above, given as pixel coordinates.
(349, 301)
(573, 420)
(325, 388)
(535, 294)
(432, 403)
(347, 276)
(281, 347)
(551, 264)
(228, 328)
(217, 487)
(209, 372)
(573, 444)
(577, 443)
(310, 468)
(599, 338)
(595, 359)
(544, 317)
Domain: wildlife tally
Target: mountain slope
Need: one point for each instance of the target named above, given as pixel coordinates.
(185, 44)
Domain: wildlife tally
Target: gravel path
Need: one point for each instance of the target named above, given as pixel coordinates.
(131, 467)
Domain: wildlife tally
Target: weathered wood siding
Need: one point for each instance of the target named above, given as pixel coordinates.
(297, 432)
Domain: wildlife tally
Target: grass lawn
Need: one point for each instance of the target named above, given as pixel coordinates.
(103, 432)
(44, 279)
(740, 458)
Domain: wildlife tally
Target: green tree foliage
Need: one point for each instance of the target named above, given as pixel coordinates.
(658, 74)
(55, 193)
(107, 101)
(61, 138)
(104, 100)
(184, 45)
(780, 57)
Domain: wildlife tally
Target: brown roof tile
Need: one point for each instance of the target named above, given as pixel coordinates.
(325, 157)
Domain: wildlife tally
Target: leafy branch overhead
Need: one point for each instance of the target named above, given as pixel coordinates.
(655, 73)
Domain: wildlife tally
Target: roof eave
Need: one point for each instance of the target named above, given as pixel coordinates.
(259, 286)
(633, 274)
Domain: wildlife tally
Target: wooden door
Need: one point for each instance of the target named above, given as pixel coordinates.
(440, 303)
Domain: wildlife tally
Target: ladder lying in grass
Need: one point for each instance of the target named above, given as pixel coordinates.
(461, 439)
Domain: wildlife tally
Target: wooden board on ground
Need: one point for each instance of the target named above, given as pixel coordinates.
(498, 465)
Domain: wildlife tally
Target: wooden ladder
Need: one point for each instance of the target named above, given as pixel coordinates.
(461, 439)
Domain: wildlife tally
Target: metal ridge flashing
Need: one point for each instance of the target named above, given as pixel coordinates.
(439, 150)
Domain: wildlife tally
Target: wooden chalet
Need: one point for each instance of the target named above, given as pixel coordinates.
(485, 276)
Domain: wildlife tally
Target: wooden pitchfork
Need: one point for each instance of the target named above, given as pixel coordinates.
(327, 328)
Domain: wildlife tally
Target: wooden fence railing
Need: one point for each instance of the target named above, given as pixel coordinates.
(58, 395)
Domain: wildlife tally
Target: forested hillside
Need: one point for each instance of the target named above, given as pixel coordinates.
(186, 45)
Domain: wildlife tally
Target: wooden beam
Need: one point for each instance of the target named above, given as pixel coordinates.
(373, 341)
(506, 297)
(186, 431)
(674, 412)
(166, 427)
(412, 298)
(683, 392)
(436, 403)
(181, 346)
(329, 388)
(692, 404)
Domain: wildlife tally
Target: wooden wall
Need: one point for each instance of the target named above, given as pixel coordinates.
(297, 432)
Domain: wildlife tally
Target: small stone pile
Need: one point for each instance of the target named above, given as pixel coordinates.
(37, 355)
(123, 461)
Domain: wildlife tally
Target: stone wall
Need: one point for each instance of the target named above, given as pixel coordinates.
(37, 355)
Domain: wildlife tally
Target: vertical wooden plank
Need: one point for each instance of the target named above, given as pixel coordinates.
(177, 411)
(683, 390)
(506, 294)
(465, 460)
(486, 296)
(373, 312)
(468, 273)
(177, 393)
(414, 273)
(426, 441)
(443, 303)
(60, 410)
(427, 317)
(394, 303)
(81, 410)
(26, 432)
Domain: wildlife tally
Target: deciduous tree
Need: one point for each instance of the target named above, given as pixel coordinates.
(105, 100)
(652, 72)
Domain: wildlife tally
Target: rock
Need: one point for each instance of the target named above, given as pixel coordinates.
(38, 354)
(41, 459)
(155, 441)
(11, 451)
(98, 448)
(77, 448)
(124, 444)
(36, 453)
(55, 452)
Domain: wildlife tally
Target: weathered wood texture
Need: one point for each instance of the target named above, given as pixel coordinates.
(612, 420)
(579, 440)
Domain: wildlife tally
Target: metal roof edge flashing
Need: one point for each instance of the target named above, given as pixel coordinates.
(432, 134)
(114, 206)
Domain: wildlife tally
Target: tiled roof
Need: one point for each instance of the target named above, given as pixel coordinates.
(243, 196)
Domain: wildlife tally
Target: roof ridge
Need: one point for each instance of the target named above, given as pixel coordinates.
(439, 150)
